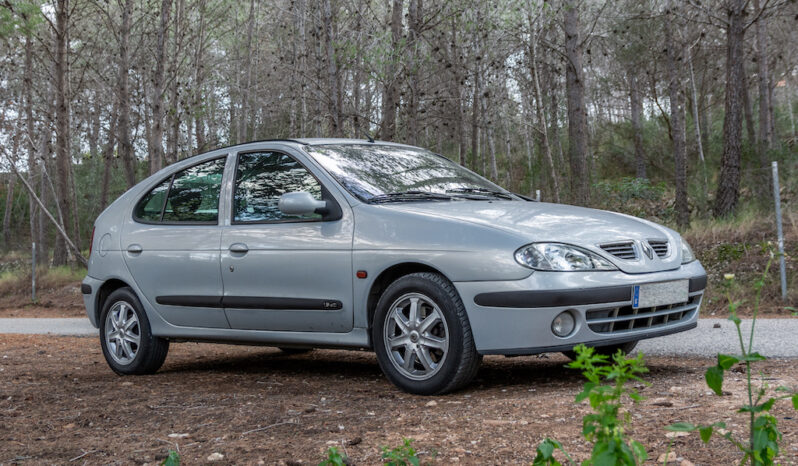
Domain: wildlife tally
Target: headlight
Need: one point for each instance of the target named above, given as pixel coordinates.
(687, 253)
(560, 257)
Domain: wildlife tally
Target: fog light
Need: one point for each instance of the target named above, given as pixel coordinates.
(563, 324)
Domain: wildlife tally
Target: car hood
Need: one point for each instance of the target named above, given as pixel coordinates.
(540, 221)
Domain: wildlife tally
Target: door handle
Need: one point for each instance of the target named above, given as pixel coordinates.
(240, 248)
(134, 249)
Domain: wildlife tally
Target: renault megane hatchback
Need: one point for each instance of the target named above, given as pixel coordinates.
(334, 243)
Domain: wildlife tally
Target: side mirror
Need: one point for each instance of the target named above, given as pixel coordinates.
(300, 203)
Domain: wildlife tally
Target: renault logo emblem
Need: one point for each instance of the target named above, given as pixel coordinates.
(647, 250)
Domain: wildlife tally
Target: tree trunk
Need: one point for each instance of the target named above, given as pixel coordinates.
(390, 97)
(729, 181)
(475, 121)
(173, 116)
(199, 78)
(156, 147)
(357, 83)
(27, 92)
(542, 126)
(636, 107)
(554, 121)
(699, 136)
(44, 151)
(747, 106)
(494, 169)
(108, 160)
(333, 77)
(788, 91)
(414, 31)
(765, 140)
(577, 113)
(674, 61)
(9, 204)
(62, 155)
(125, 144)
(455, 93)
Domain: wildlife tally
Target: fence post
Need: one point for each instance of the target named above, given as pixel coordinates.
(33, 273)
(537, 195)
(780, 234)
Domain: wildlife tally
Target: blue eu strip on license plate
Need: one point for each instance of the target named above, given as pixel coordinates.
(636, 297)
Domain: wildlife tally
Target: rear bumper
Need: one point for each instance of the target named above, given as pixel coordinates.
(514, 317)
(90, 287)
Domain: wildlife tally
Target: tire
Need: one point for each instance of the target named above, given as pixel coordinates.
(293, 351)
(136, 351)
(433, 353)
(607, 350)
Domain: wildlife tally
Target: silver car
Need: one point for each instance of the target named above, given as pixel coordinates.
(334, 243)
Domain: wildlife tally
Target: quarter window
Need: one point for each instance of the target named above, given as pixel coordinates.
(192, 195)
(261, 178)
(150, 208)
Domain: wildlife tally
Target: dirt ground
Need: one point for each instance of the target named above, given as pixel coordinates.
(61, 404)
(64, 300)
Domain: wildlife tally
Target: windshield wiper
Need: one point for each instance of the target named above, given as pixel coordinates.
(409, 196)
(488, 192)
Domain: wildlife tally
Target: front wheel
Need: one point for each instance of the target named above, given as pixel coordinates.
(422, 336)
(128, 344)
(607, 350)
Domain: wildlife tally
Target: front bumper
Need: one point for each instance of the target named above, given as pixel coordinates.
(514, 317)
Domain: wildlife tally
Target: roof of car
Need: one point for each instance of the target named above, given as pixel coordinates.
(302, 142)
(317, 142)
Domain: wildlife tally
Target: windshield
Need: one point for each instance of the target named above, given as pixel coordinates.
(373, 172)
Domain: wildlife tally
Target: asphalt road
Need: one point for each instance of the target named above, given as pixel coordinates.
(776, 338)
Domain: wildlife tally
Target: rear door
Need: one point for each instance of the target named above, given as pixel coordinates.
(171, 246)
(281, 272)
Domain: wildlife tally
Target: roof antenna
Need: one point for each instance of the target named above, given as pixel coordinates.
(368, 136)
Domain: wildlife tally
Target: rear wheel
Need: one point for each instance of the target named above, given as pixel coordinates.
(128, 344)
(422, 336)
(607, 350)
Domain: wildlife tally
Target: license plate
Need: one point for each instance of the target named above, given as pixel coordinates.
(660, 294)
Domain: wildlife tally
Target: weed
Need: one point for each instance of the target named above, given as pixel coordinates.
(173, 459)
(762, 445)
(334, 458)
(606, 389)
(403, 455)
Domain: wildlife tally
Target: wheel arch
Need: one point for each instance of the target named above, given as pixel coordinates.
(108, 287)
(388, 276)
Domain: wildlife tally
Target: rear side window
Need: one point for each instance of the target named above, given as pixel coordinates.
(149, 209)
(261, 178)
(191, 195)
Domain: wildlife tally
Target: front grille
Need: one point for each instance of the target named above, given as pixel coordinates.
(623, 319)
(623, 250)
(660, 246)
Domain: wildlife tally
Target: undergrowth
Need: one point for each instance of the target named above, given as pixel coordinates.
(760, 444)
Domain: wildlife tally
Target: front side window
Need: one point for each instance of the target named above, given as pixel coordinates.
(261, 178)
(192, 196)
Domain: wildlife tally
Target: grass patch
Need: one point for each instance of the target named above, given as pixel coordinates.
(18, 280)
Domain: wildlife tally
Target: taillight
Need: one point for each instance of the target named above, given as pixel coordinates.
(92, 239)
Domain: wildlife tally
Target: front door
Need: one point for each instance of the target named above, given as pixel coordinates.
(171, 246)
(283, 272)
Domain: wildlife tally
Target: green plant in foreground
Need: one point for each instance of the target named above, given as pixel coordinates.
(762, 445)
(403, 455)
(173, 459)
(334, 458)
(606, 389)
